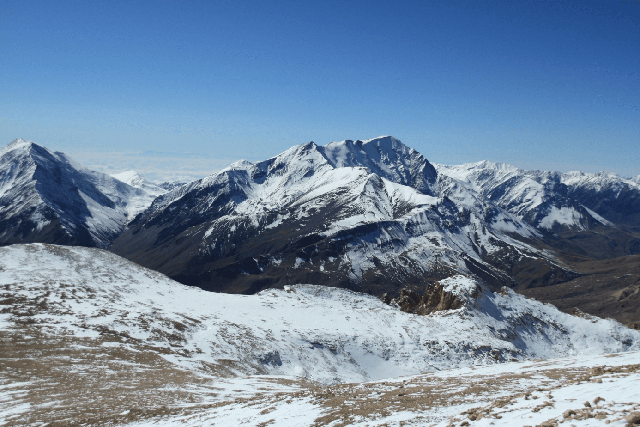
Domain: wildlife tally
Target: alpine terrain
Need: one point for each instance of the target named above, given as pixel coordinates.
(376, 216)
(589, 221)
(371, 216)
(90, 338)
(47, 197)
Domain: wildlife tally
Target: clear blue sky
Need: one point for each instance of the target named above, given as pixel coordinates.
(540, 84)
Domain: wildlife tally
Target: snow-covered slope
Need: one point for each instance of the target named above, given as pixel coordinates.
(47, 197)
(325, 334)
(89, 338)
(388, 158)
(135, 180)
(614, 198)
(152, 189)
(371, 216)
(537, 197)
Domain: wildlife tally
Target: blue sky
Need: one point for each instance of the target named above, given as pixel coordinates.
(539, 84)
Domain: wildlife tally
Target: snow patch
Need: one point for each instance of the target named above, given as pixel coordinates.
(564, 216)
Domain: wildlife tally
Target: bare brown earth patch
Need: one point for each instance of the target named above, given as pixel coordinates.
(68, 380)
(607, 288)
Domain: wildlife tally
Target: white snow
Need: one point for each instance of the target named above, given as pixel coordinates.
(539, 196)
(18, 182)
(563, 216)
(599, 218)
(378, 182)
(135, 180)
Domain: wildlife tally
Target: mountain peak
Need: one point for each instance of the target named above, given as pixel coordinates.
(126, 176)
(48, 197)
(19, 141)
(488, 164)
(387, 157)
(239, 164)
(18, 144)
(385, 143)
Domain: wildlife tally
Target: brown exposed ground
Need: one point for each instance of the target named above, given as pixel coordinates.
(73, 380)
(435, 298)
(64, 380)
(606, 288)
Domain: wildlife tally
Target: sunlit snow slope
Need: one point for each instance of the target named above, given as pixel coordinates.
(325, 334)
(552, 200)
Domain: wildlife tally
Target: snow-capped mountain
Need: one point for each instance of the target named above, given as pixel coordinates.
(47, 197)
(615, 198)
(151, 188)
(539, 198)
(595, 215)
(552, 200)
(135, 180)
(371, 215)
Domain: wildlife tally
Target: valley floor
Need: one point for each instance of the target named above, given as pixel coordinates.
(605, 288)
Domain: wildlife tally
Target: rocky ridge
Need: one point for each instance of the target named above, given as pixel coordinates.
(47, 197)
(373, 216)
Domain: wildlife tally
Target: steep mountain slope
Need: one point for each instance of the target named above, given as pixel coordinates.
(590, 221)
(89, 338)
(47, 197)
(372, 216)
(614, 198)
(539, 197)
(596, 215)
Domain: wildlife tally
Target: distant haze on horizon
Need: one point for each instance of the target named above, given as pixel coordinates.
(120, 85)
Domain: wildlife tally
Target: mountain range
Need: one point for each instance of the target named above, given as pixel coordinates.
(48, 197)
(372, 216)
(356, 283)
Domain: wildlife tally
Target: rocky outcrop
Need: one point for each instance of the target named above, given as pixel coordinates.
(435, 298)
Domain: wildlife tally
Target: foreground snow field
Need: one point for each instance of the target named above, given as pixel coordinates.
(540, 393)
(88, 337)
